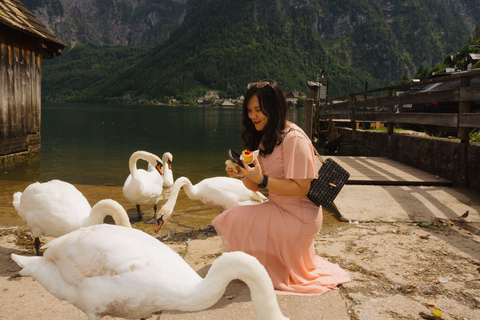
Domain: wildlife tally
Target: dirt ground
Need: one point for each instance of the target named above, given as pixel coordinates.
(398, 270)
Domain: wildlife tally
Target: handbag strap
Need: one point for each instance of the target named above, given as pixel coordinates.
(314, 149)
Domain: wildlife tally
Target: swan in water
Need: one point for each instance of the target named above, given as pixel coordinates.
(57, 208)
(218, 193)
(143, 187)
(124, 272)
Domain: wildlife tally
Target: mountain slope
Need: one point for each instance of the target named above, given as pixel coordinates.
(223, 45)
(110, 22)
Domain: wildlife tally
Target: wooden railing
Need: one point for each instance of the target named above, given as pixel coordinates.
(363, 110)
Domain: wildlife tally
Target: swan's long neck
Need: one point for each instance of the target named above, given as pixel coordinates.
(166, 165)
(239, 265)
(132, 163)
(108, 207)
(167, 208)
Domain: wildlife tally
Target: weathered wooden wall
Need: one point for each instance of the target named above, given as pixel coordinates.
(20, 92)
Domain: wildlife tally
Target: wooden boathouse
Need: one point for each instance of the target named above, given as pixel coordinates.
(24, 41)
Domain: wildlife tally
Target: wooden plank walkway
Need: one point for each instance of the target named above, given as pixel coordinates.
(382, 189)
(385, 171)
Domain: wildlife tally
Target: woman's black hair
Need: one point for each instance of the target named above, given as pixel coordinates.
(272, 104)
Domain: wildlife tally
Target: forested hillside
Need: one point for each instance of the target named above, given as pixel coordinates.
(223, 44)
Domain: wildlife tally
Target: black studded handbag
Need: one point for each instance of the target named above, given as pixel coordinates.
(331, 179)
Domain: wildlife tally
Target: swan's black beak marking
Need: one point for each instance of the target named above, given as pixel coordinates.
(169, 163)
(159, 167)
(160, 223)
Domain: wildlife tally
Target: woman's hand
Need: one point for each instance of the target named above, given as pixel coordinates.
(232, 174)
(254, 173)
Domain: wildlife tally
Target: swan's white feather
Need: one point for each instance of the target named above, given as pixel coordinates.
(168, 180)
(218, 192)
(123, 272)
(54, 207)
(143, 187)
(57, 208)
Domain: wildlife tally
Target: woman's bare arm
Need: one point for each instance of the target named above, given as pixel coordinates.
(253, 176)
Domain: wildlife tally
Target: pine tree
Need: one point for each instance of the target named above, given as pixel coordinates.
(476, 32)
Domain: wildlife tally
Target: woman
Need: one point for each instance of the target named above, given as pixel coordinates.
(279, 232)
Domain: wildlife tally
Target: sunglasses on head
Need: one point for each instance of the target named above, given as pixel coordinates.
(258, 85)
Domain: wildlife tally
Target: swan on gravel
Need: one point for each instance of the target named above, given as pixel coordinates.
(218, 193)
(57, 208)
(143, 187)
(124, 272)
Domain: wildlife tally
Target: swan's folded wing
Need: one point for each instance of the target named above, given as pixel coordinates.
(87, 253)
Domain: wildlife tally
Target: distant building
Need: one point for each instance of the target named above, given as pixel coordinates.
(451, 60)
(211, 94)
(293, 96)
(24, 41)
(471, 59)
(227, 103)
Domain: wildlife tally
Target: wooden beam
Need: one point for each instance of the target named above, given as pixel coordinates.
(440, 119)
(469, 120)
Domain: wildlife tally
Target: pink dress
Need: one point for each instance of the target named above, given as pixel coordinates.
(280, 232)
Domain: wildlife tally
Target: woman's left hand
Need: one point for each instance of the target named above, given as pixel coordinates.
(254, 173)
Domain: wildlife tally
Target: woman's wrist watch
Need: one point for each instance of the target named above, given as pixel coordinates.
(264, 182)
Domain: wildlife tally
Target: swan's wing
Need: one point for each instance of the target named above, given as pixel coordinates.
(54, 207)
(144, 188)
(111, 270)
(108, 250)
(152, 182)
(227, 193)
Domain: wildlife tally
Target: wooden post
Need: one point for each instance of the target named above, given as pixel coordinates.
(464, 133)
(464, 107)
(312, 90)
(352, 113)
(390, 111)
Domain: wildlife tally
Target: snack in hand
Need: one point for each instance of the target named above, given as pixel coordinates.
(247, 156)
(231, 165)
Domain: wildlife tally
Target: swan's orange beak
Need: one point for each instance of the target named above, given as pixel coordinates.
(169, 163)
(159, 167)
(160, 223)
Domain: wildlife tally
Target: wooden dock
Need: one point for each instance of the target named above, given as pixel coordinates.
(385, 171)
(384, 190)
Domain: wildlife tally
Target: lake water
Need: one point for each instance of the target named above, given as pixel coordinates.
(89, 145)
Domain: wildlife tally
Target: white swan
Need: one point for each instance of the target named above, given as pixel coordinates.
(144, 187)
(124, 272)
(57, 208)
(167, 159)
(218, 193)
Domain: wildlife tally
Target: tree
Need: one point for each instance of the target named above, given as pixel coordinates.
(476, 32)
(405, 79)
(301, 102)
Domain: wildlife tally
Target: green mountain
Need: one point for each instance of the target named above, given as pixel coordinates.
(222, 45)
